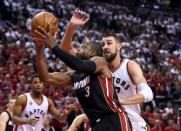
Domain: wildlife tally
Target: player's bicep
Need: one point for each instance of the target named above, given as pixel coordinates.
(18, 108)
(136, 73)
(59, 78)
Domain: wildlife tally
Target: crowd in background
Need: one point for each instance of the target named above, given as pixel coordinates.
(150, 37)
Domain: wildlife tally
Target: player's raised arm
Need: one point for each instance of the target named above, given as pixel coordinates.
(79, 18)
(56, 78)
(97, 64)
(17, 111)
(145, 93)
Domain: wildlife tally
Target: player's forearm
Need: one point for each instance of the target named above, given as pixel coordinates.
(41, 65)
(18, 120)
(137, 99)
(66, 43)
(73, 62)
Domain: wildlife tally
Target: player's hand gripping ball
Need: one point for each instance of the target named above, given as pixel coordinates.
(46, 20)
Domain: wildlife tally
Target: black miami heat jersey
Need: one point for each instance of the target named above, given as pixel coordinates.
(98, 98)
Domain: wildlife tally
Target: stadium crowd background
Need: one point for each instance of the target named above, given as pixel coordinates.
(149, 36)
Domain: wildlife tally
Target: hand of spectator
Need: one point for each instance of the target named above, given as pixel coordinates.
(79, 18)
(69, 108)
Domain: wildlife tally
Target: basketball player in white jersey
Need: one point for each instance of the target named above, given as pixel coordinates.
(6, 117)
(30, 110)
(129, 81)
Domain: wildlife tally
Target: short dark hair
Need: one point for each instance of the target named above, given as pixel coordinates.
(34, 76)
(97, 47)
(116, 37)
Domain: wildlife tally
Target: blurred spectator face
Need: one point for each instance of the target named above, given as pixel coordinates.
(170, 122)
(169, 105)
(11, 103)
(111, 47)
(157, 123)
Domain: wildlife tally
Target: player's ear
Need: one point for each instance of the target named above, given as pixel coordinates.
(92, 53)
(55, 35)
(119, 46)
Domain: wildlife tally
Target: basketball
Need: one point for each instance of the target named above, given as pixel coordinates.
(43, 19)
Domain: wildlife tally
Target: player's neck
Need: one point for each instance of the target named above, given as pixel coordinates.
(113, 65)
(36, 96)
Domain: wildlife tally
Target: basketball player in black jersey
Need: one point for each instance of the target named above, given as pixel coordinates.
(6, 117)
(92, 82)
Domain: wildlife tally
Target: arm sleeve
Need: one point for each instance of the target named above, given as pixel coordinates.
(86, 66)
(146, 91)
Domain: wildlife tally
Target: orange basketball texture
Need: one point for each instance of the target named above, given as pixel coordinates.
(43, 19)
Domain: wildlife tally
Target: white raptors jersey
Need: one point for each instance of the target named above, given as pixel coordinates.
(33, 110)
(125, 89)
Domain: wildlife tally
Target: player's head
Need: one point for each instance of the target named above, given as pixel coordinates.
(90, 49)
(111, 45)
(10, 103)
(37, 86)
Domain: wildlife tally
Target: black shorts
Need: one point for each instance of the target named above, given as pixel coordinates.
(113, 122)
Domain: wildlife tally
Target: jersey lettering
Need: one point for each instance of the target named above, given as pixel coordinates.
(118, 84)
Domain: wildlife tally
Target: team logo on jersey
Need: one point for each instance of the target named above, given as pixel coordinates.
(37, 112)
(82, 83)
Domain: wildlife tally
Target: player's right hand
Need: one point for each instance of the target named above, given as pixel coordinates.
(32, 121)
(79, 18)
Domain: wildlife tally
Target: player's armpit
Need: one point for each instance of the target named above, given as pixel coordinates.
(17, 110)
(59, 78)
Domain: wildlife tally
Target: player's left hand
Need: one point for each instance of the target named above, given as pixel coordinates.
(46, 37)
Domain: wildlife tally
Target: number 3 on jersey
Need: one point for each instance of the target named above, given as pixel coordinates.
(87, 93)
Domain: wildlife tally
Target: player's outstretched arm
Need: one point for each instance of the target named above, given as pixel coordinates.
(97, 64)
(17, 111)
(77, 122)
(56, 78)
(3, 119)
(79, 18)
(145, 93)
(56, 113)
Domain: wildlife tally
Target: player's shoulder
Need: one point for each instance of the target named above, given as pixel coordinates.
(22, 99)
(98, 59)
(4, 116)
(133, 64)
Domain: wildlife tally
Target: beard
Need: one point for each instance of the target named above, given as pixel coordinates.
(110, 56)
